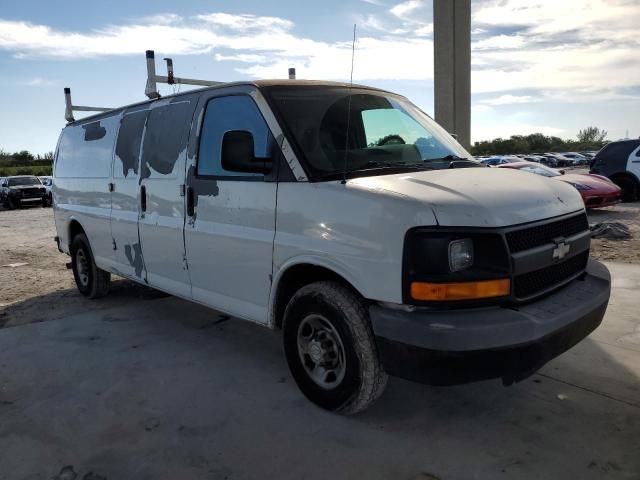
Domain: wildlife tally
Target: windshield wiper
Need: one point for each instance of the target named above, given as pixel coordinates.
(375, 167)
(457, 162)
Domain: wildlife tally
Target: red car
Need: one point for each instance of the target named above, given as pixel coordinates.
(596, 190)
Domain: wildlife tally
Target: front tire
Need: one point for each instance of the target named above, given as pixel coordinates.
(92, 282)
(330, 348)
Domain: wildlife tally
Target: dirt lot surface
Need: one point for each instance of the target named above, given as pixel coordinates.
(625, 251)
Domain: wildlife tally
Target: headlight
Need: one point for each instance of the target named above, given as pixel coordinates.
(446, 266)
(580, 186)
(460, 254)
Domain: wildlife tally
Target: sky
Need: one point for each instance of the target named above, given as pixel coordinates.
(549, 66)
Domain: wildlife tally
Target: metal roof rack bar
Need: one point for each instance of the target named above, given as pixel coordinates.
(70, 107)
(151, 90)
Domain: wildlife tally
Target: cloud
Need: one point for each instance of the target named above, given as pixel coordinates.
(265, 44)
(517, 45)
(509, 99)
(402, 9)
(39, 82)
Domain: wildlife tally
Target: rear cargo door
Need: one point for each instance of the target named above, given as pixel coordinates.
(161, 194)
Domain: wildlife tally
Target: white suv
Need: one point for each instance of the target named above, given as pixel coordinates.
(344, 216)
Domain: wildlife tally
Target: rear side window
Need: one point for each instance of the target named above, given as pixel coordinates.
(127, 159)
(165, 139)
(616, 151)
(222, 115)
(86, 150)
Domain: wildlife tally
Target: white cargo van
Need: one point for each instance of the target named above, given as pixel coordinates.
(342, 215)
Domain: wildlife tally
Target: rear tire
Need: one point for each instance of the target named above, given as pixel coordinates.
(92, 282)
(629, 188)
(330, 348)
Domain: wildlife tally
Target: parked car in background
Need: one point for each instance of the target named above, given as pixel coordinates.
(596, 190)
(47, 181)
(22, 190)
(499, 160)
(561, 159)
(551, 160)
(620, 162)
(577, 158)
(533, 158)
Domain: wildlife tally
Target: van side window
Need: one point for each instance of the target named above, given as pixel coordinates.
(127, 158)
(85, 150)
(222, 115)
(165, 139)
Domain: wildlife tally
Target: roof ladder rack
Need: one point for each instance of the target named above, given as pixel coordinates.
(151, 89)
(70, 107)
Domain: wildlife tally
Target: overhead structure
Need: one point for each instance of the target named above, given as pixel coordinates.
(452, 67)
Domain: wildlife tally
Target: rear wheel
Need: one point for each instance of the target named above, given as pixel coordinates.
(629, 188)
(92, 282)
(330, 348)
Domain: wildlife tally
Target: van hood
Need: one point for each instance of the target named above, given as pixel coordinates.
(480, 197)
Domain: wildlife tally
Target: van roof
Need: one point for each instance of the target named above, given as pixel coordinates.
(253, 83)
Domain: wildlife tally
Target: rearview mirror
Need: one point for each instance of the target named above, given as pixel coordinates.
(238, 154)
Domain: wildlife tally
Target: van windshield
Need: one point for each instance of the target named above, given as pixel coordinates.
(16, 181)
(386, 133)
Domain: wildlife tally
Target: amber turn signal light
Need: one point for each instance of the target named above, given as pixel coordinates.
(461, 290)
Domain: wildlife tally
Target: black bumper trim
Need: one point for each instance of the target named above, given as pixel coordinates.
(447, 348)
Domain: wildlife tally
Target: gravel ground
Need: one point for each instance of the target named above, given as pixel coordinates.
(26, 237)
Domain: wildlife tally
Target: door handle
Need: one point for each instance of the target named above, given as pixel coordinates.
(191, 206)
(112, 186)
(143, 198)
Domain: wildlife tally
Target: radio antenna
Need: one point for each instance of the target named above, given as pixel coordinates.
(346, 146)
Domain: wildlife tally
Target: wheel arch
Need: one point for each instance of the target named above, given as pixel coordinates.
(74, 229)
(295, 275)
(625, 174)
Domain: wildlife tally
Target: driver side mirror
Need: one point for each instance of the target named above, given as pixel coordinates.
(238, 154)
(562, 172)
(4, 184)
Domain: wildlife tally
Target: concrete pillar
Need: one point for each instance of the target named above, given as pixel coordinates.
(452, 66)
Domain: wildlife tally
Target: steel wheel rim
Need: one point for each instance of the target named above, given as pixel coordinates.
(82, 266)
(321, 351)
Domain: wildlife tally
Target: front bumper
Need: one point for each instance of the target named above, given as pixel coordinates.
(445, 347)
(602, 200)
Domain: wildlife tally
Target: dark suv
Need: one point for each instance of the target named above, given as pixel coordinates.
(23, 190)
(620, 161)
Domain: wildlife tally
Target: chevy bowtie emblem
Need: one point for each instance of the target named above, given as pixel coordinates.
(561, 250)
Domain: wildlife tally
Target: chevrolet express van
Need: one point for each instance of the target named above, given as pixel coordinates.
(343, 216)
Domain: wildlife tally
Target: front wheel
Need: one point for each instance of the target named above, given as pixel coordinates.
(92, 282)
(330, 348)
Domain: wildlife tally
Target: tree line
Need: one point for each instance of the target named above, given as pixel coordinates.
(590, 138)
(25, 163)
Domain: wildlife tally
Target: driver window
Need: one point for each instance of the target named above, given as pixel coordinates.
(223, 114)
